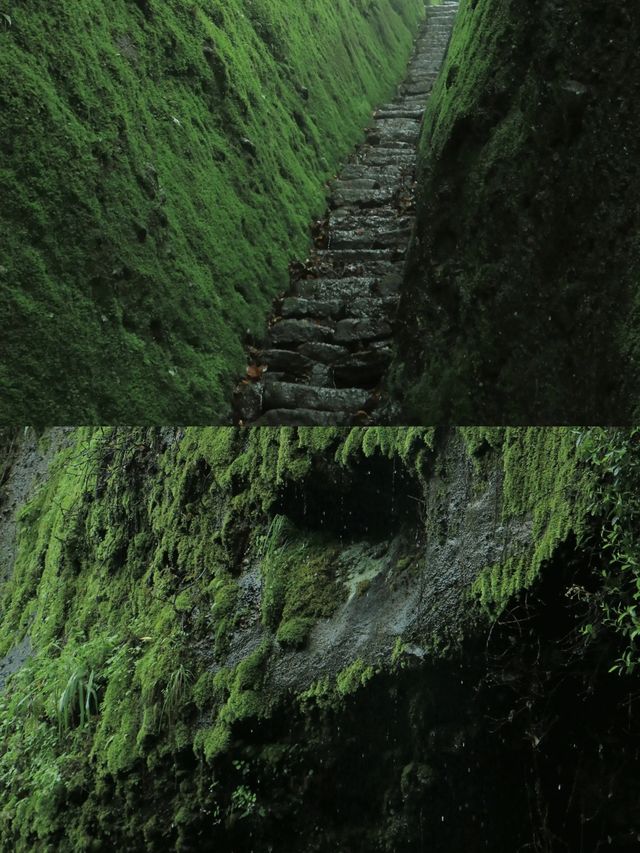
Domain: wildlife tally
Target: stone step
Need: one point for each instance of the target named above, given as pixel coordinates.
(395, 111)
(369, 307)
(304, 417)
(299, 332)
(370, 238)
(341, 183)
(418, 89)
(350, 288)
(337, 288)
(377, 217)
(379, 156)
(421, 79)
(365, 329)
(323, 353)
(355, 197)
(343, 257)
(287, 361)
(366, 170)
(289, 395)
(296, 307)
(363, 369)
(319, 376)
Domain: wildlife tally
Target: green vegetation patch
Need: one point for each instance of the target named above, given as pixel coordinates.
(546, 484)
(160, 165)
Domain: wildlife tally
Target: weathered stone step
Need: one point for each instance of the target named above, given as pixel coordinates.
(370, 238)
(421, 79)
(296, 307)
(395, 111)
(350, 288)
(287, 361)
(343, 257)
(319, 376)
(363, 369)
(299, 332)
(365, 329)
(366, 170)
(379, 156)
(304, 417)
(341, 183)
(337, 288)
(378, 217)
(390, 131)
(372, 306)
(323, 353)
(417, 88)
(354, 196)
(289, 395)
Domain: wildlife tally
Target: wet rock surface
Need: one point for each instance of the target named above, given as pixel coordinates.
(330, 339)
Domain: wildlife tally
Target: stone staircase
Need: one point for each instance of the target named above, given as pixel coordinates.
(330, 340)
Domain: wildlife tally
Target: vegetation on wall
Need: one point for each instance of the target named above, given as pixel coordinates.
(161, 162)
(520, 300)
(127, 579)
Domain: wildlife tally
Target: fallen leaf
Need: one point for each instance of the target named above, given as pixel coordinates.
(255, 371)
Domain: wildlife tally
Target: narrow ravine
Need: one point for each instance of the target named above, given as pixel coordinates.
(330, 339)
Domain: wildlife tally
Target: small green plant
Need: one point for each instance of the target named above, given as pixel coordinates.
(244, 801)
(275, 537)
(614, 455)
(78, 701)
(175, 693)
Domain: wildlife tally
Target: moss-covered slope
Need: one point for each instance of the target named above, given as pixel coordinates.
(520, 303)
(160, 163)
(190, 614)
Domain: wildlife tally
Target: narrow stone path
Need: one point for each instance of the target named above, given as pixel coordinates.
(330, 340)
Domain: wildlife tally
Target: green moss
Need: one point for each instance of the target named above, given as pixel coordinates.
(294, 632)
(328, 694)
(300, 583)
(546, 485)
(355, 676)
(142, 235)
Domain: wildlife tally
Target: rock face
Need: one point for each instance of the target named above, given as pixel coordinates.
(350, 296)
(310, 639)
(520, 304)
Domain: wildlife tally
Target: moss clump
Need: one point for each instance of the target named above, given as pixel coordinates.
(329, 693)
(161, 163)
(300, 584)
(355, 676)
(294, 632)
(546, 485)
(527, 314)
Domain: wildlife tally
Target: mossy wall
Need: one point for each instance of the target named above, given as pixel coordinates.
(160, 164)
(126, 725)
(520, 300)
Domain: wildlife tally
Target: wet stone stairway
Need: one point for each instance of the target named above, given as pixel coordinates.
(330, 340)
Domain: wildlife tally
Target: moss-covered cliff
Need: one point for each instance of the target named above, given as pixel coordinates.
(160, 163)
(316, 639)
(520, 304)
